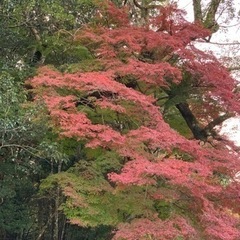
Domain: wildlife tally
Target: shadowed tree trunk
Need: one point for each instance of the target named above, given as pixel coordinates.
(200, 133)
(191, 121)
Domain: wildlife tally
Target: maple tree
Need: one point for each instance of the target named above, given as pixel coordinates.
(137, 174)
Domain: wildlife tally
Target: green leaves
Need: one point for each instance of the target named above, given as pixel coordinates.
(91, 201)
(21, 130)
(32, 25)
(178, 93)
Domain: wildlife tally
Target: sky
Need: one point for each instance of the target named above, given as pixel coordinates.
(229, 34)
(231, 129)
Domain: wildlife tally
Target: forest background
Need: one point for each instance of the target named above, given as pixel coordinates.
(108, 121)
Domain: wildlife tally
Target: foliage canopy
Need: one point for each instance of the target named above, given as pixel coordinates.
(113, 137)
(143, 175)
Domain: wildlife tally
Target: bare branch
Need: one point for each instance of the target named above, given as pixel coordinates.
(234, 68)
(219, 43)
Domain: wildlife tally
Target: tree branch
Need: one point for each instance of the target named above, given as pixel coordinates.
(217, 121)
(191, 121)
(197, 9)
(210, 22)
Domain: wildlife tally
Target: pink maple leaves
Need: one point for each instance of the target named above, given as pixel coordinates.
(196, 175)
(162, 230)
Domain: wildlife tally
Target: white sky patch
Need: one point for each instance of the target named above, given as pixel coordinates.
(231, 129)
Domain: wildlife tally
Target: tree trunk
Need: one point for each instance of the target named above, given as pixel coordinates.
(56, 215)
(209, 21)
(193, 124)
(57, 203)
(197, 9)
(63, 229)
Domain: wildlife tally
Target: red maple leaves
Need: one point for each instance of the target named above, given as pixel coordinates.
(154, 150)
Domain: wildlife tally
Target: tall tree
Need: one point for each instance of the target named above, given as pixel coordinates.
(136, 175)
